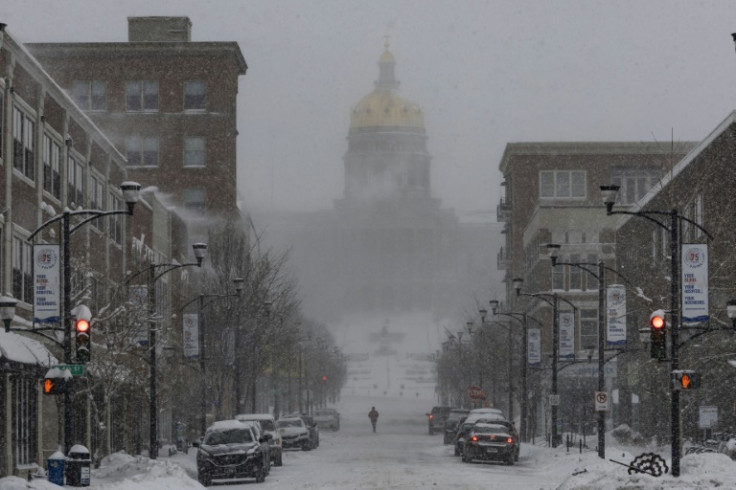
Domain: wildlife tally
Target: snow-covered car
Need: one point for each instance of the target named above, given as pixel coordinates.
(327, 418)
(294, 433)
(230, 450)
(490, 442)
(268, 425)
(511, 428)
(313, 429)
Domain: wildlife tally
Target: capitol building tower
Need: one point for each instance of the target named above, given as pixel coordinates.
(395, 246)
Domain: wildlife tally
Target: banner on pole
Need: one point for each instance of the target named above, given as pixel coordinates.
(190, 334)
(46, 284)
(616, 315)
(534, 347)
(694, 283)
(567, 335)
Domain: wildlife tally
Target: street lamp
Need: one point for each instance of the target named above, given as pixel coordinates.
(200, 250)
(7, 310)
(131, 191)
(609, 193)
(600, 277)
(524, 395)
(555, 303)
(238, 281)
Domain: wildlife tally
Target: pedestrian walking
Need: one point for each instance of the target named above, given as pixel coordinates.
(373, 415)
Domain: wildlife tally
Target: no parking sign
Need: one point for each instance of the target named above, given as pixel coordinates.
(602, 402)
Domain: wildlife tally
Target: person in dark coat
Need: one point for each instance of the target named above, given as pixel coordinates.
(373, 415)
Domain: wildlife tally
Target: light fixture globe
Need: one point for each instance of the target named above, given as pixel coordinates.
(200, 251)
(608, 194)
(517, 282)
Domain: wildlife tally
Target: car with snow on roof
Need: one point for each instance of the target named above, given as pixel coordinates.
(491, 442)
(231, 450)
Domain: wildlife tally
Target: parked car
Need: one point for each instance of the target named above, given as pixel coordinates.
(436, 419)
(268, 425)
(327, 418)
(313, 430)
(510, 426)
(294, 433)
(230, 450)
(490, 442)
(456, 416)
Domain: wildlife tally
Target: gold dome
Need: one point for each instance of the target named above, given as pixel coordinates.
(385, 108)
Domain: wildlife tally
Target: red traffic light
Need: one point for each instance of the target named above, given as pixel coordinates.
(656, 320)
(82, 325)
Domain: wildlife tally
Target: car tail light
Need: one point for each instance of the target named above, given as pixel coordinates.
(509, 440)
(431, 417)
(474, 438)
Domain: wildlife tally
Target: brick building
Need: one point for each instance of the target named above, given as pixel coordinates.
(552, 196)
(168, 103)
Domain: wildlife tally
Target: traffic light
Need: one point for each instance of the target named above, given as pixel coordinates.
(82, 332)
(686, 380)
(658, 326)
(53, 385)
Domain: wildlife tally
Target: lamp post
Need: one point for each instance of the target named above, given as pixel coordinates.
(524, 361)
(600, 276)
(609, 193)
(200, 250)
(202, 343)
(131, 191)
(7, 310)
(554, 302)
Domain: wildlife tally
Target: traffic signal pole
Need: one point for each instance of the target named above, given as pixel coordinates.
(674, 337)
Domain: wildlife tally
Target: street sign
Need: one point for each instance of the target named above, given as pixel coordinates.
(554, 400)
(602, 402)
(707, 417)
(75, 369)
(475, 393)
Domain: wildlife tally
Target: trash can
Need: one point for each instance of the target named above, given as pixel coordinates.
(56, 468)
(78, 465)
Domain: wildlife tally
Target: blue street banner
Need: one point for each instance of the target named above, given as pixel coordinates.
(694, 283)
(534, 347)
(46, 283)
(616, 315)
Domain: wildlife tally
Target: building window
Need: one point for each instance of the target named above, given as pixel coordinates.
(75, 174)
(24, 404)
(558, 277)
(142, 151)
(194, 96)
(97, 200)
(90, 95)
(22, 270)
(589, 329)
(634, 183)
(562, 184)
(116, 220)
(51, 161)
(23, 127)
(194, 152)
(141, 96)
(194, 199)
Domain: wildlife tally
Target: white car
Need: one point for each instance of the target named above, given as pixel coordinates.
(294, 433)
(268, 426)
(327, 418)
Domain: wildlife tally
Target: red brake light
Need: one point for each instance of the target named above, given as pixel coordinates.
(431, 416)
(474, 438)
(509, 441)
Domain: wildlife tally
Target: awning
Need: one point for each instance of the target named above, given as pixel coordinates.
(21, 349)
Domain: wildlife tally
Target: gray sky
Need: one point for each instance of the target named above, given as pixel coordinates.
(486, 72)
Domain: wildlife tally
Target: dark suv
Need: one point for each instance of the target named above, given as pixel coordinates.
(436, 419)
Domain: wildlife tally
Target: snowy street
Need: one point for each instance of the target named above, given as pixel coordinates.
(400, 455)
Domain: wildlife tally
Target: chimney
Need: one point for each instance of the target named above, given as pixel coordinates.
(159, 29)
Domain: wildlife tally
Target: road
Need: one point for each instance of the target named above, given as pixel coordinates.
(400, 455)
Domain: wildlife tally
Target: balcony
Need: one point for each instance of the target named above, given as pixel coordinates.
(503, 210)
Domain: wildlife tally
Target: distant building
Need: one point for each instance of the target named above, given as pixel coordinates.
(388, 246)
